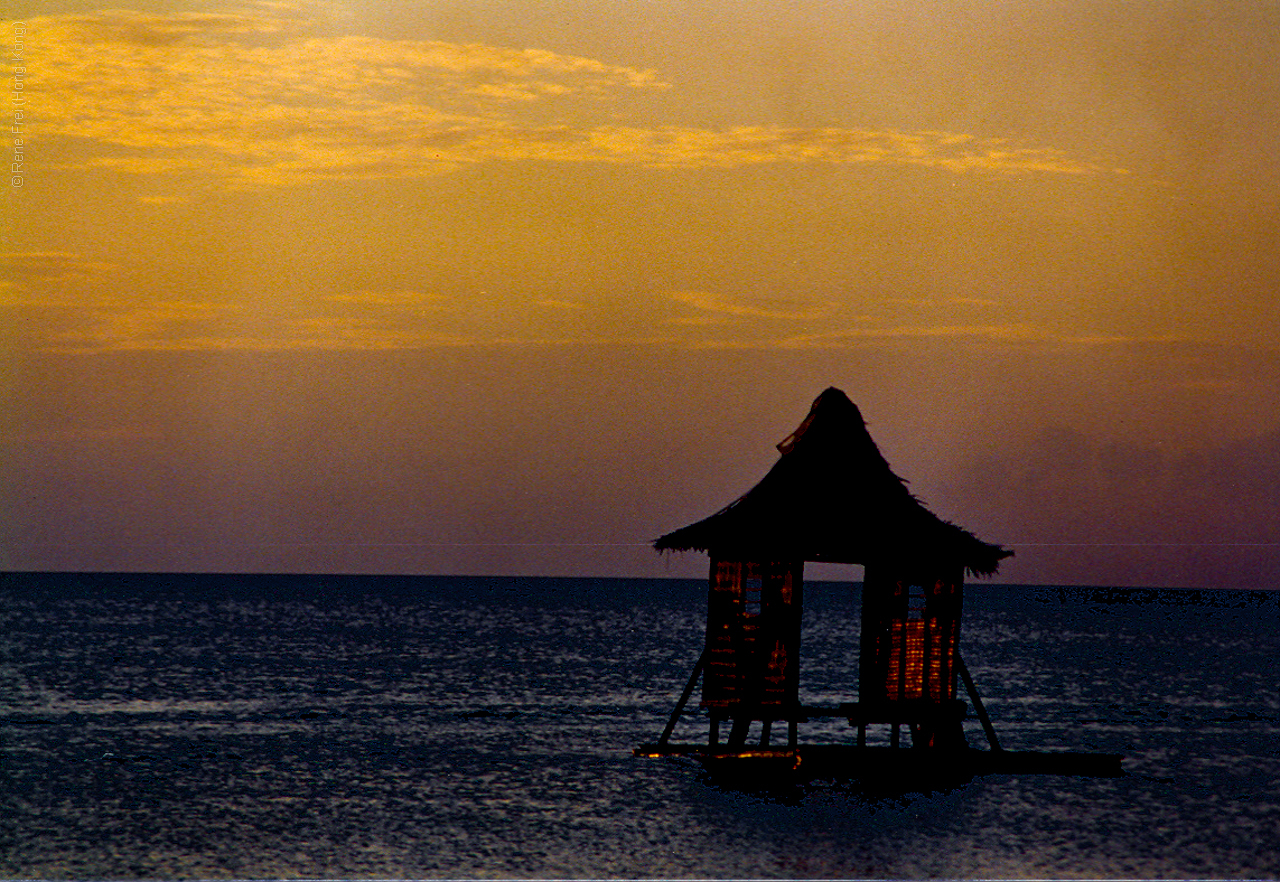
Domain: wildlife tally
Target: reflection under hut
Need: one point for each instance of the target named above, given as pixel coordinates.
(831, 498)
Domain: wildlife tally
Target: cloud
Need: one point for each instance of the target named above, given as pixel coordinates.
(70, 302)
(258, 99)
(755, 145)
(970, 301)
(723, 322)
(43, 267)
(1122, 340)
(58, 302)
(395, 299)
(156, 324)
(260, 96)
(65, 302)
(779, 308)
(348, 332)
(1013, 333)
(152, 330)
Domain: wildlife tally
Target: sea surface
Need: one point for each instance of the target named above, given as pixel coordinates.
(305, 726)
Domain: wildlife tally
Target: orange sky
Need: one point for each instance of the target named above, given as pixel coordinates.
(514, 288)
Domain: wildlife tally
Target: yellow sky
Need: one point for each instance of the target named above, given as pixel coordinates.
(1068, 210)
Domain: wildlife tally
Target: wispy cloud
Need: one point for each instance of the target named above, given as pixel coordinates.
(1104, 340)
(261, 96)
(404, 298)
(1007, 333)
(62, 301)
(739, 323)
(45, 267)
(941, 302)
(775, 308)
(197, 327)
(562, 305)
(260, 99)
(63, 322)
(157, 320)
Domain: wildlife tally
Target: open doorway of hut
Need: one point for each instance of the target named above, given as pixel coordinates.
(829, 648)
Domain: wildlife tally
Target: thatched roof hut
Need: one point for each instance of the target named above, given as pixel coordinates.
(832, 497)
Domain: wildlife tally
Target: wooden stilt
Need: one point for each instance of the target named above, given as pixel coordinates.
(684, 699)
(765, 727)
(977, 703)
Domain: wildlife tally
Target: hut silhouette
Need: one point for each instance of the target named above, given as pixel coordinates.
(831, 498)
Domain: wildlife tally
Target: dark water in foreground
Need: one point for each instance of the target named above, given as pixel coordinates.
(181, 726)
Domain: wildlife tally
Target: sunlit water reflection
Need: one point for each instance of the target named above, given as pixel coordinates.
(322, 727)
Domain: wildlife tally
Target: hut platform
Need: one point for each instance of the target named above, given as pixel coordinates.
(766, 766)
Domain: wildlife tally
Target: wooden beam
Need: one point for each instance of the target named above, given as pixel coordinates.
(684, 698)
(977, 703)
(926, 767)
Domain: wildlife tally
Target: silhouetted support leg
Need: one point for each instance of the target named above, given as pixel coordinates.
(684, 699)
(977, 704)
(738, 734)
(765, 728)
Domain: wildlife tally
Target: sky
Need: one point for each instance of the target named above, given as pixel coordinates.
(514, 288)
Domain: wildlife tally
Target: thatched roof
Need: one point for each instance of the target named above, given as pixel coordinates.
(832, 497)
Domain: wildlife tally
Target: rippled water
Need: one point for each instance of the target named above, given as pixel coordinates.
(335, 727)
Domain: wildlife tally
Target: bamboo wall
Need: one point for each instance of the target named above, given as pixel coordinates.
(910, 635)
(753, 637)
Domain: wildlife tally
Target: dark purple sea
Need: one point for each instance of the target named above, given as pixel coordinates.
(336, 727)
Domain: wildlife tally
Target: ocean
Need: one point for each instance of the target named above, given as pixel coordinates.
(180, 726)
